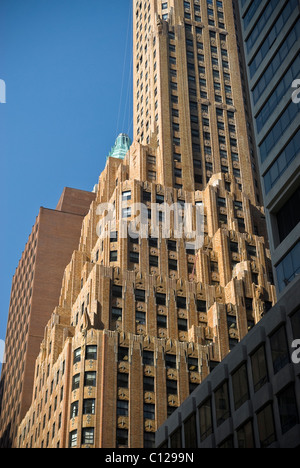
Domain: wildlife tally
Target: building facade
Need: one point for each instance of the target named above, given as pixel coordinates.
(35, 292)
(271, 42)
(252, 399)
(149, 304)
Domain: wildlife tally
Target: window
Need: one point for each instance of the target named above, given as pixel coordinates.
(288, 268)
(190, 432)
(259, 368)
(88, 436)
(148, 384)
(205, 415)
(149, 411)
(266, 426)
(126, 195)
(140, 295)
(172, 387)
(123, 353)
(295, 321)
(91, 353)
(171, 361)
(161, 321)
(90, 379)
(176, 440)
(122, 438)
(123, 380)
(240, 386)
(113, 256)
(182, 324)
(245, 436)
(149, 440)
(222, 404)
(148, 358)
(77, 356)
(89, 406)
(288, 409)
(122, 408)
(74, 410)
(279, 349)
(116, 314)
(75, 382)
(73, 439)
(288, 216)
(126, 212)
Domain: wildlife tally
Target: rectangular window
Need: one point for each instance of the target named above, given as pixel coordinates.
(122, 438)
(90, 379)
(259, 368)
(149, 411)
(206, 424)
(266, 426)
(91, 353)
(288, 268)
(240, 386)
(222, 404)
(190, 432)
(89, 406)
(245, 436)
(126, 195)
(73, 439)
(288, 409)
(280, 350)
(88, 436)
(122, 408)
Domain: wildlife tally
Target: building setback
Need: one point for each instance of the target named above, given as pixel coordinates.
(142, 320)
(35, 292)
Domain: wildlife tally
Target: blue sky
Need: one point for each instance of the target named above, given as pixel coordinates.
(67, 66)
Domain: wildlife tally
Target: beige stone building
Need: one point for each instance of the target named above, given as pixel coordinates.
(143, 319)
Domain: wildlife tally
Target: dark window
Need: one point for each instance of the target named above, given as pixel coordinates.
(181, 302)
(161, 321)
(122, 438)
(182, 324)
(190, 432)
(153, 260)
(205, 414)
(123, 353)
(148, 384)
(91, 353)
(161, 299)
(117, 291)
(89, 406)
(240, 386)
(90, 379)
(149, 411)
(171, 361)
(222, 404)
(140, 295)
(288, 409)
(280, 349)
(172, 387)
(122, 408)
(176, 439)
(193, 364)
(266, 426)
(77, 356)
(227, 444)
(123, 380)
(259, 368)
(245, 436)
(201, 306)
(149, 440)
(148, 358)
(288, 216)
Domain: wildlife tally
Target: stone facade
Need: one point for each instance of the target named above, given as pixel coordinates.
(142, 321)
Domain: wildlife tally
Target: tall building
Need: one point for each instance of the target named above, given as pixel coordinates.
(35, 292)
(271, 41)
(150, 304)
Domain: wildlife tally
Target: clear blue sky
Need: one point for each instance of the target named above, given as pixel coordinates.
(68, 96)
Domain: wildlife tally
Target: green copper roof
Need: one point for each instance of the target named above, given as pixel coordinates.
(121, 146)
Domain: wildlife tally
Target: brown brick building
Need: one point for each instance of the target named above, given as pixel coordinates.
(35, 291)
(142, 320)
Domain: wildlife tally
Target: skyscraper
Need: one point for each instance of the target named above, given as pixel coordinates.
(271, 40)
(149, 303)
(35, 291)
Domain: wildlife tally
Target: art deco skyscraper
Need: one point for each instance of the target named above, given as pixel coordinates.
(143, 319)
